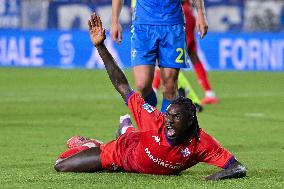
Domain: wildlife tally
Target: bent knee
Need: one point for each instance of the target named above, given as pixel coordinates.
(58, 168)
(170, 90)
(59, 165)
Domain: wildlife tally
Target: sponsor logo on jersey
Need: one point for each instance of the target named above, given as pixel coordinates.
(148, 107)
(163, 163)
(185, 152)
(157, 139)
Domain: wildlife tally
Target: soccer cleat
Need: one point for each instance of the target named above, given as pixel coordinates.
(183, 92)
(76, 141)
(124, 123)
(209, 100)
(199, 108)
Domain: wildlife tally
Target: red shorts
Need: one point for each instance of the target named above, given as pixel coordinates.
(109, 156)
(122, 153)
(114, 153)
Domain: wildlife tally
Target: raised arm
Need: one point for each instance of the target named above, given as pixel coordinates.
(235, 170)
(116, 29)
(116, 75)
(201, 21)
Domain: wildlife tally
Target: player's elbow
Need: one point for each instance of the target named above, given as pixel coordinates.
(236, 170)
(241, 171)
(124, 90)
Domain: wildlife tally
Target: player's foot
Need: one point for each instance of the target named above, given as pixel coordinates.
(124, 123)
(76, 141)
(199, 108)
(209, 100)
(182, 92)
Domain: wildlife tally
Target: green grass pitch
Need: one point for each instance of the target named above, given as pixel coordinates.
(41, 108)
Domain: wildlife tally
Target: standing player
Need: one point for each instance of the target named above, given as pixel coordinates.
(164, 144)
(210, 97)
(157, 34)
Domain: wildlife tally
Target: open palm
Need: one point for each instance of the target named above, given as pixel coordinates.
(97, 32)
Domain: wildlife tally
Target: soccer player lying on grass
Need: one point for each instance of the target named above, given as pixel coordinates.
(162, 144)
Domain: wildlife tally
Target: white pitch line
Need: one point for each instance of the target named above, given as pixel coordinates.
(255, 114)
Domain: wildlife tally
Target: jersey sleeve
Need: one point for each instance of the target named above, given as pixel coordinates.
(211, 152)
(146, 116)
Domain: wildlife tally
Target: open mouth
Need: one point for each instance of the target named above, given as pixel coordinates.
(171, 132)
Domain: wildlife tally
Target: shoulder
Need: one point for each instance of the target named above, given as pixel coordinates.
(134, 98)
(207, 141)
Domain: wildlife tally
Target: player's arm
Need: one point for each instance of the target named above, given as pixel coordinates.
(116, 75)
(234, 170)
(116, 29)
(201, 21)
(211, 152)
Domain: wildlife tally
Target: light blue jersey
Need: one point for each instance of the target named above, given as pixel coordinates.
(158, 12)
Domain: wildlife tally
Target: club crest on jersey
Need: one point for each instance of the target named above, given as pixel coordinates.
(185, 152)
(157, 139)
(148, 107)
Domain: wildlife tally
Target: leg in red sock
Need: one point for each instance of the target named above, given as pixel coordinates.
(200, 73)
(192, 52)
(157, 79)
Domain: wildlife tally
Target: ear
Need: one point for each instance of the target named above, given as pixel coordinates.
(191, 121)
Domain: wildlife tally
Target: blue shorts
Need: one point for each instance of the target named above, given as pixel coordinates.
(163, 42)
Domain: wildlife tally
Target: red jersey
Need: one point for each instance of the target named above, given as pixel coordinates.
(148, 150)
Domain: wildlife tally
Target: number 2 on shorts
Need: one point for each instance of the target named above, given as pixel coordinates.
(179, 58)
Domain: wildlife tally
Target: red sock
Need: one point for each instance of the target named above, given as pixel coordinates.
(202, 76)
(157, 79)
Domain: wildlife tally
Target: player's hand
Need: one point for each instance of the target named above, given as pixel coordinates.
(116, 32)
(201, 24)
(97, 32)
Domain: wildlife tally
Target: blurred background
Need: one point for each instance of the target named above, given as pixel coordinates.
(245, 35)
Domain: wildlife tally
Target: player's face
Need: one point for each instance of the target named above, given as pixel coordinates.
(177, 123)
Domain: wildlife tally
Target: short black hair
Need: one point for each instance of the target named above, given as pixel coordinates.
(191, 110)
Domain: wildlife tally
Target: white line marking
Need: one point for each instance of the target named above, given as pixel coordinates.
(255, 114)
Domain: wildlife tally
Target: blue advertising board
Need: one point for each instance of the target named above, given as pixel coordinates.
(73, 49)
(243, 52)
(64, 49)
